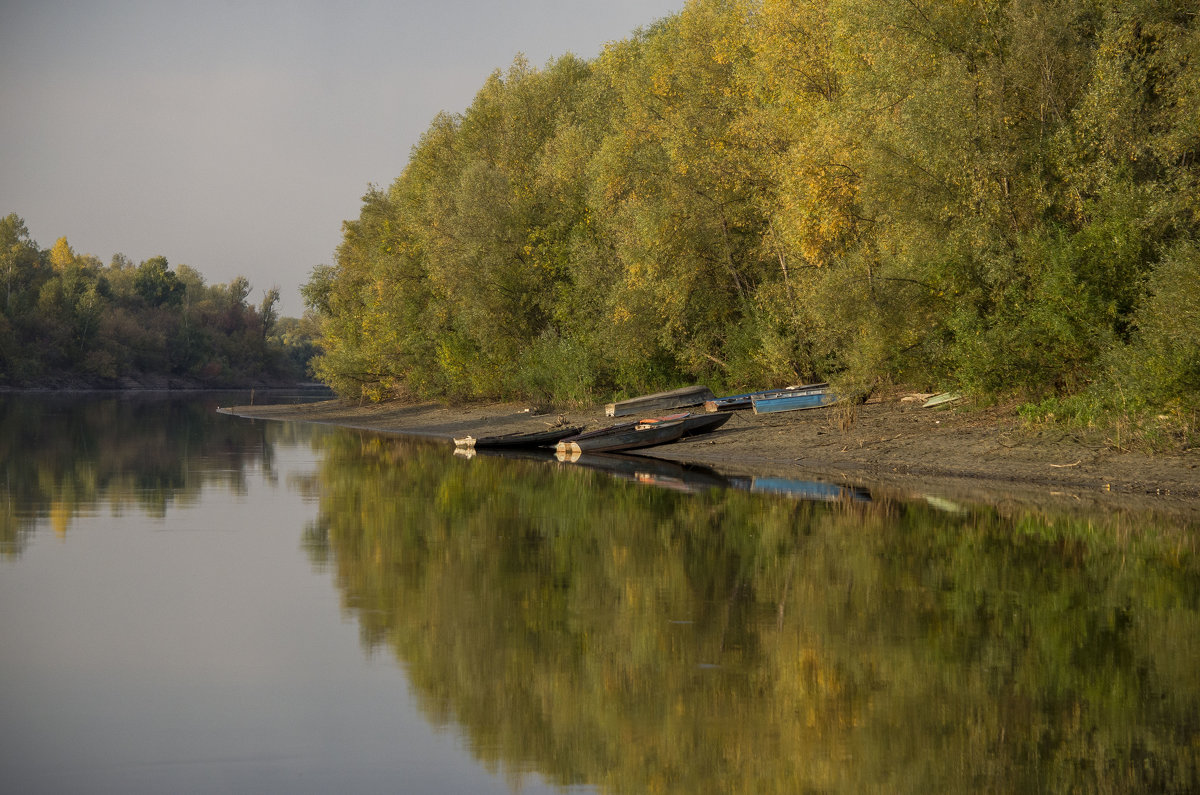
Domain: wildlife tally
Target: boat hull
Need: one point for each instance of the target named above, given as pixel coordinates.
(769, 404)
(676, 398)
(745, 401)
(693, 424)
(624, 438)
(547, 438)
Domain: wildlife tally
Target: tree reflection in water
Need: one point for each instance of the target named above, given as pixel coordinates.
(62, 456)
(647, 640)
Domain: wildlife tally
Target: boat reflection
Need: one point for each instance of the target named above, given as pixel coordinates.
(687, 478)
(680, 477)
(814, 490)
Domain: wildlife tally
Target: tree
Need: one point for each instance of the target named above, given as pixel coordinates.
(753, 192)
(62, 256)
(267, 312)
(19, 261)
(156, 284)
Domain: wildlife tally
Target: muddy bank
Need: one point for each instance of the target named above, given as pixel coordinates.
(958, 451)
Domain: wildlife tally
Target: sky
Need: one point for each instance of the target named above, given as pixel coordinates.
(236, 136)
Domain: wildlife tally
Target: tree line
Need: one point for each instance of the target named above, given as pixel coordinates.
(68, 319)
(1000, 197)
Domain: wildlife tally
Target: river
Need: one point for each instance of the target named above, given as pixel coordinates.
(192, 602)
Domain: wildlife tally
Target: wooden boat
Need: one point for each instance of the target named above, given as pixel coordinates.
(683, 415)
(791, 401)
(941, 400)
(693, 424)
(621, 426)
(546, 438)
(745, 401)
(675, 398)
(627, 436)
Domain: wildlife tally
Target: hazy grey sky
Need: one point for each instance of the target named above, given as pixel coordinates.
(235, 136)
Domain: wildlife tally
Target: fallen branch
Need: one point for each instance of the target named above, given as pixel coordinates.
(1064, 466)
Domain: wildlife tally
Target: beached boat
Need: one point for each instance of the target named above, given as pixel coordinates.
(693, 424)
(791, 401)
(675, 398)
(621, 426)
(547, 438)
(745, 401)
(626, 436)
(941, 399)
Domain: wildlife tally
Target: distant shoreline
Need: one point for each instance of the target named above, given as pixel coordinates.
(155, 385)
(958, 452)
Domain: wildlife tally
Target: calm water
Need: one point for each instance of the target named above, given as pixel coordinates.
(195, 602)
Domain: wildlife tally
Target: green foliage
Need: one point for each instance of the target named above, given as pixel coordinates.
(556, 369)
(1148, 394)
(1162, 364)
(156, 284)
(66, 318)
(750, 193)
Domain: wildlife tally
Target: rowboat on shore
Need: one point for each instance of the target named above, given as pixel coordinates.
(675, 398)
(546, 438)
(626, 436)
(745, 401)
(693, 424)
(941, 399)
(791, 401)
(640, 433)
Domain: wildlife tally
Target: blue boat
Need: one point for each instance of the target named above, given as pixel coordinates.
(791, 401)
(744, 401)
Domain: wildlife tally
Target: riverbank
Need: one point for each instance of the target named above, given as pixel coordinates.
(958, 451)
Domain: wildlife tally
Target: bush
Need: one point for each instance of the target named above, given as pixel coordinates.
(1162, 364)
(556, 369)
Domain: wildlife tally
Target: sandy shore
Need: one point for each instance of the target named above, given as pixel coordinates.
(958, 451)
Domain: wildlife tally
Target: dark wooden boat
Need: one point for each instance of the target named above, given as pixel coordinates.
(621, 426)
(626, 436)
(547, 438)
(675, 398)
(693, 424)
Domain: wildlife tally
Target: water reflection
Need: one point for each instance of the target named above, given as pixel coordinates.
(676, 476)
(693, 636)
(717, 641)
(62, 457)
